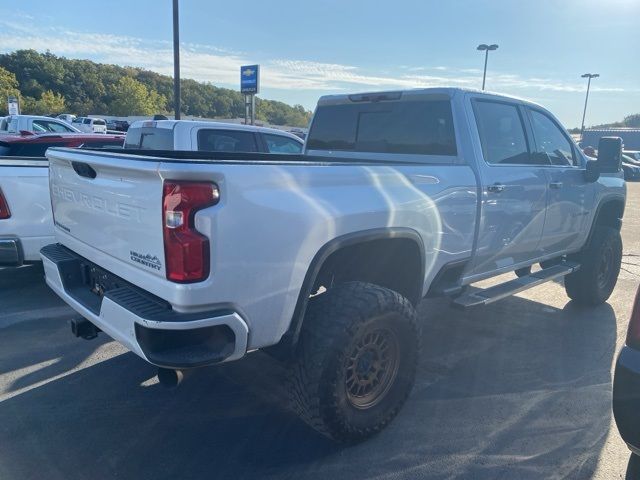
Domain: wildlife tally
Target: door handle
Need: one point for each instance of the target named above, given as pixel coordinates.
(556, 185)
(496, 188)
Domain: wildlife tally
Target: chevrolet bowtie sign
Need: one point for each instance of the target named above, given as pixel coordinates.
(250, 79)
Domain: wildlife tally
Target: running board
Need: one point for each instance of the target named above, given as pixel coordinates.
(503, 290)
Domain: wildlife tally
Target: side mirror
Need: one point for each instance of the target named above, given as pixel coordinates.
(609, 159)
(610, 154)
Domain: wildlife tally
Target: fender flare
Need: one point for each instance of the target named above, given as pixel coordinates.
(604, 201)
(293, 333)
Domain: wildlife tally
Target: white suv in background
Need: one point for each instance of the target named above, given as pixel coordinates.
(90, 125)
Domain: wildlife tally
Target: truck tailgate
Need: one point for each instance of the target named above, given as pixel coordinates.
(113, 206)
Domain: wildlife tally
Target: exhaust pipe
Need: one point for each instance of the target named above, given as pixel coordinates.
(169, 377)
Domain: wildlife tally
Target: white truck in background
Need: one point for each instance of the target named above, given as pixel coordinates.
(197, 258)
(25, 205)
(202, 136)
(35, 124)
(26, 224)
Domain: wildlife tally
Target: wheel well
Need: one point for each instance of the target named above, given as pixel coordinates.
(389, 257)
(610, 214)
(394, 263)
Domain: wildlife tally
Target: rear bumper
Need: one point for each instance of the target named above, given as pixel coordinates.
(626, 397)
(10, 253)
(144, 323)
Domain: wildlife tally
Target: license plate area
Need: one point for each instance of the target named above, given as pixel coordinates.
(98, 280)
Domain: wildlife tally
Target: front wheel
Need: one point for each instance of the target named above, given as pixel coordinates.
(356, 360)
(600, 264)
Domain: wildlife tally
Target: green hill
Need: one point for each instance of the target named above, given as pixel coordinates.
(49, 84)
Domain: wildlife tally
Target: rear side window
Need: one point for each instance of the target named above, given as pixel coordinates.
(149, 138)
(282, 144)
(210, 140)
(411, 127)
(99, 122)
(501, 133)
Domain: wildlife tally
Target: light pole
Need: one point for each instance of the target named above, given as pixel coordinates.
(584, 113)
(486, 48)
(176, 61)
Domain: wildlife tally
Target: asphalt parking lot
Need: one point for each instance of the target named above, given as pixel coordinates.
(519, 389)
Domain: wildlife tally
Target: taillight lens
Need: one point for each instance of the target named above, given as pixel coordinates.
(633, 334)
(4, 207)
(186, 251)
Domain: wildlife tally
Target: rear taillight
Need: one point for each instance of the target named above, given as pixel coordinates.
(633, 334)
(186, 251)
(4, 207)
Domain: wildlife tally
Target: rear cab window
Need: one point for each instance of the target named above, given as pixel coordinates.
(281, 144)
(219, 140)
(420, 126)
(149, 138)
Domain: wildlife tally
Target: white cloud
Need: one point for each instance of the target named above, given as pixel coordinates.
(221, 66)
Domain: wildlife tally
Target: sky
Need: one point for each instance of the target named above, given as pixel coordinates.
(308, 49)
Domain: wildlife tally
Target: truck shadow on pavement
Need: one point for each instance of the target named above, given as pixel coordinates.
(517, 389)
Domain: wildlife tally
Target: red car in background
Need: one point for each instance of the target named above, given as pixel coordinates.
(30, 145)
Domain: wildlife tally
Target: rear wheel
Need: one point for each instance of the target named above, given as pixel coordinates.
(356, 361)
(600, 263)
(523, 272)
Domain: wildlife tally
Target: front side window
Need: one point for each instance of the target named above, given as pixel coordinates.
(214, 140)
(419, 127)
(501, 133)
(551, 142)
(281, 144)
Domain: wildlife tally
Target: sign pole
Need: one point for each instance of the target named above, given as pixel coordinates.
(253, 109)
(176, 61)
(247, 106)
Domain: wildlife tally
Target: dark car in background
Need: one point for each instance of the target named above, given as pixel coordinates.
(118, 125)
(36, 145)
(626, 384)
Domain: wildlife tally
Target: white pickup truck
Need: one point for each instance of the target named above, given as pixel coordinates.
(25, 206)
(193, 258)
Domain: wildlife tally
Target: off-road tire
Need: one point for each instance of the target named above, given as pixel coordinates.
(336, 325)
(600, 263)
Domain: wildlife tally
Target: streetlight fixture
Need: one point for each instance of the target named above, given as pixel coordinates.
(176, 61)
(584, 113)
(486, 48)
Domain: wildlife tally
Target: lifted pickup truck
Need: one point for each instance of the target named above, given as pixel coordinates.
(196, 258)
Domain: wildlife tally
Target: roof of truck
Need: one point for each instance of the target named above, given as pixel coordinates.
(415, 92)
(213, 125)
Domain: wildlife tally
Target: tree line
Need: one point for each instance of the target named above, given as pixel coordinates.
(49, 84)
